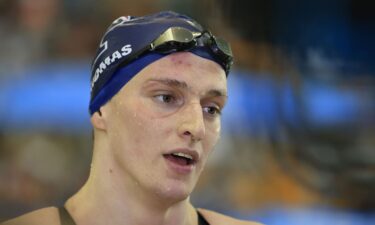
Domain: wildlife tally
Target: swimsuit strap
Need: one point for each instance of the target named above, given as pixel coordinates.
(65, 217)
(201, 219)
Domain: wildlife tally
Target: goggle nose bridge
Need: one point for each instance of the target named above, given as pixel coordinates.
(176, 35)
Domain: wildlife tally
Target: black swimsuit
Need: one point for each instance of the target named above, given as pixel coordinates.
(66, 218)
(201, 219)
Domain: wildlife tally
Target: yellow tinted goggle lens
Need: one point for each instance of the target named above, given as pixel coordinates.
(180, 39)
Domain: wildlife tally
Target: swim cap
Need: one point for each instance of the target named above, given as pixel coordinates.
(127, 47)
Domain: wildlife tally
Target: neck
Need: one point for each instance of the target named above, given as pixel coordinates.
(110, 198)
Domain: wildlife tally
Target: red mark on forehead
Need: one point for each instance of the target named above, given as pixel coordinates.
(179, 59)
(188, 61)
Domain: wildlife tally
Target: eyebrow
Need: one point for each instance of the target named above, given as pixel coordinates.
(172, 82)
(217, 93)
(184, 85)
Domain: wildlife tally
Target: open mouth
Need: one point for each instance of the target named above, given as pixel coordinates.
(180, 158)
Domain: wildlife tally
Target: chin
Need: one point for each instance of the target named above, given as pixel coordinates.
(175, 192)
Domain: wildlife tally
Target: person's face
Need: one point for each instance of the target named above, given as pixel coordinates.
(163, 124)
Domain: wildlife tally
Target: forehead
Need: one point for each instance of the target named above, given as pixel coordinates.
(188, 67)
(188, 59)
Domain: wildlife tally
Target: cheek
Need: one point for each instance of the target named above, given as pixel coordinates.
(144, 129)
(212, 137)
(127, 127)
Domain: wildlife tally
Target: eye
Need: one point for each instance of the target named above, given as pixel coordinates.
(212, 110)
(166, 98)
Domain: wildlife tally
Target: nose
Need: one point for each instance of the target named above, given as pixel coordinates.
(191, 124)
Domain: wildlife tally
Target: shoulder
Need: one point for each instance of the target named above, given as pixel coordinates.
(215, 218)
(44, 216)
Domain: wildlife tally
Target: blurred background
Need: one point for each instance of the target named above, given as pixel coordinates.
(298, 132)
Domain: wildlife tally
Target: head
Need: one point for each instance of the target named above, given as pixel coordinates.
(156, 113)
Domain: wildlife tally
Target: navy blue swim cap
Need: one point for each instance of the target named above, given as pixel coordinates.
(118, 57)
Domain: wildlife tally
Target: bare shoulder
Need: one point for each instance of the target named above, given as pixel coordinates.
(44, 216)
(216, 218)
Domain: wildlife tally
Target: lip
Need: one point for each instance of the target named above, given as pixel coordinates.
(182, 169)
(193, 153)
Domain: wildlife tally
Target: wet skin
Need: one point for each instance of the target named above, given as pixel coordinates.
(171, 106)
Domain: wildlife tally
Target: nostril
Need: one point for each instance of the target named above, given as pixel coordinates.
(187, 133)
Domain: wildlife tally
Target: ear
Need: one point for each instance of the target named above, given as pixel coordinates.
(98, 121)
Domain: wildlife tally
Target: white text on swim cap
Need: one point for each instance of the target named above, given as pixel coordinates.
(109, 60)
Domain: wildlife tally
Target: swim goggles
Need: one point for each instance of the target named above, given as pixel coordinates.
(176, 39)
